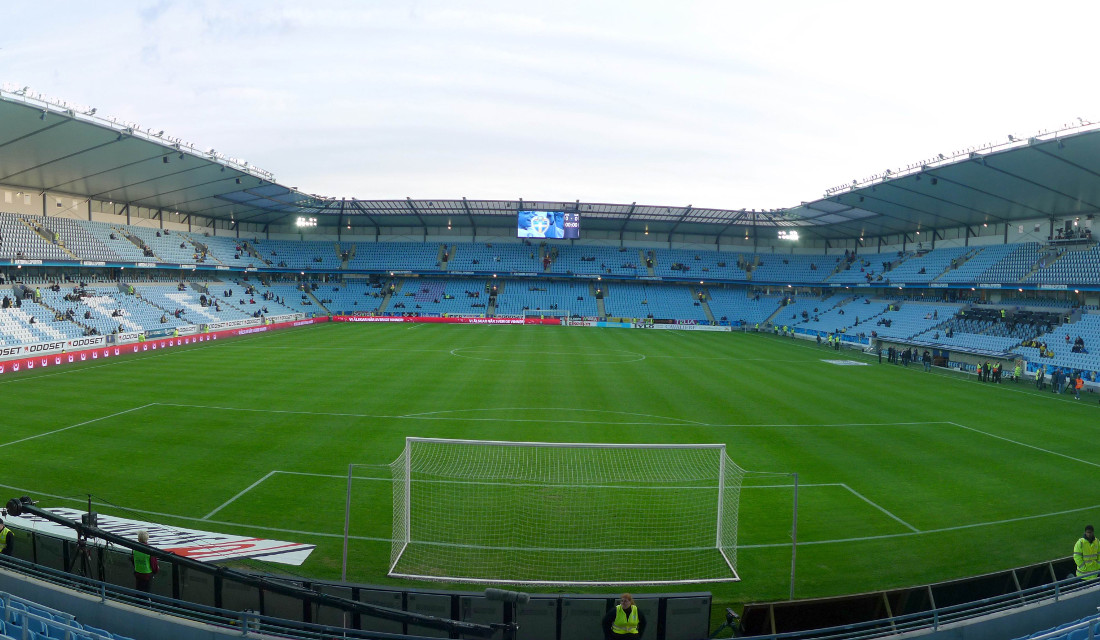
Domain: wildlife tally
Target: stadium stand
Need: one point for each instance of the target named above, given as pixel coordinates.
(911, 319)
(630, 300)
(786, 269)
(601, 260)
(439, 296)
(518, 298)
(395, 256)
(80, 241)
(1060, 342)
(486, 258)
(111, 237)
(742, 305)
(169, 247)
(924, 267)
(1075, 264)
(681, 263)
(303, 254)
(19, 239)
(228, 251)
(974, 268)
(855, 316)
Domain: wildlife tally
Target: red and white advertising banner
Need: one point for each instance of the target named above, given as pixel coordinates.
(26, 362)
(204, 546)
(450, 320)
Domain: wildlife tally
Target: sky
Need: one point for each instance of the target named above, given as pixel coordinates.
(715, 104)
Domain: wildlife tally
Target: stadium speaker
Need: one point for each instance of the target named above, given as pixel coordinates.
(935, 181)
(164, 159)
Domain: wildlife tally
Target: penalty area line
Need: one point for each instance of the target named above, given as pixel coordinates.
(1024, 444)
(79, 424)
(246, 490)
(880, 508)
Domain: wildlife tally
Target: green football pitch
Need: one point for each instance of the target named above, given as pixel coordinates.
(906, 477)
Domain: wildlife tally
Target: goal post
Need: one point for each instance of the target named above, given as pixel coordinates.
(564, 514)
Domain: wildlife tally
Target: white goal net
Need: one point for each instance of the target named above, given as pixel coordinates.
(564, 514)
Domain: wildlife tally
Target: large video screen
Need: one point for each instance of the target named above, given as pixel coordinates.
(548, 224)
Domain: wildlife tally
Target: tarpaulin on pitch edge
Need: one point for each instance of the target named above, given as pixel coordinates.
(203, 546)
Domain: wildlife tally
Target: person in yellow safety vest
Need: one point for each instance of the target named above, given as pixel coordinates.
(145, 566)
(625, 619)
(1086, 553)
(7, 540)
(175, 333)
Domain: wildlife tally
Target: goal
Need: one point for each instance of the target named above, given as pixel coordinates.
(564, 514)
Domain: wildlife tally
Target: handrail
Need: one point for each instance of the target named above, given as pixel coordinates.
(224, 618)
(936, 617)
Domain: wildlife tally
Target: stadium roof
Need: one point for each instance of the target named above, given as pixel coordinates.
(55, 147)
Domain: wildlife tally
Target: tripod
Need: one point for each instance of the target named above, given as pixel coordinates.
(731, 623)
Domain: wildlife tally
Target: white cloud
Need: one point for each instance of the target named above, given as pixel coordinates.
(717, 104)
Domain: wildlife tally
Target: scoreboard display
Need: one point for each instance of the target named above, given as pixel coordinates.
(548, 224)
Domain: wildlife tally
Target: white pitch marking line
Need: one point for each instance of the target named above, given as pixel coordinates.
(875, 505)
(230, 501)
(387, 540)
(161, 514)
(80, 424)
(622, 413)
(546, 420)
(975, 525)
(1023, 444)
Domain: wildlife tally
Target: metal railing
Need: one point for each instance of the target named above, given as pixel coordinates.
(244, 622)
(937, 617)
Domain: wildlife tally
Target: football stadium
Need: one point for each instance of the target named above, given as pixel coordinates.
(234, 407)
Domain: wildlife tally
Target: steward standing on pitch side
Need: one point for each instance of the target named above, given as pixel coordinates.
(1086, 553)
